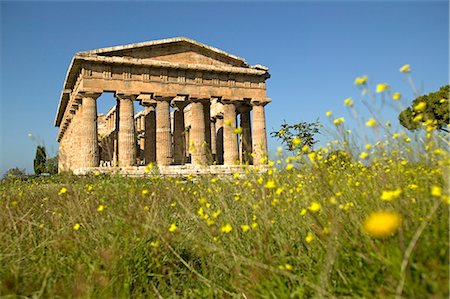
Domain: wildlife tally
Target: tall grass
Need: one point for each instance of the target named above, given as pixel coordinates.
(296, 231)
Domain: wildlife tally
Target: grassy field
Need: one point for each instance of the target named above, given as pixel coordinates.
(349, 220)
(304, 230)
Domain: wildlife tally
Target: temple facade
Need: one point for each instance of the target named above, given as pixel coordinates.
(201, 108)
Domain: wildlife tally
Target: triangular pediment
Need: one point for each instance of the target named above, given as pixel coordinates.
(174, 50)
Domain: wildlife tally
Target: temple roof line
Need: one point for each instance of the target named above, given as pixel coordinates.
(161, 42)
(256, 70)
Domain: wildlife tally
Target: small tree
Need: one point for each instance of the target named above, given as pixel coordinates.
(297, 135)
(40, 160)
(432, 107)
(52, 165)
(15, 173)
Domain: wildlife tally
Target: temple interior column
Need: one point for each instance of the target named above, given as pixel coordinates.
(197, 132)
(207, 132)
(179, 146)
(126, 136)
(213, 139)
(259, 134)
(219, 139)
(246, 136)
(163, 131)
(150, 134)
(230, 146)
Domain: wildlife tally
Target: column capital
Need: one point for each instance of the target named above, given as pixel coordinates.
(90, 94)
(164, 95)
(159, 98)
(125, 95)
(179, 102)
(262, 102)
(199, 98)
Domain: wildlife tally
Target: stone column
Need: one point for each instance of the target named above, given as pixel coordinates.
(88, 134)
(76, 133)
(163, 132)
(219, 139)
(207, 119)
(213, 139)
(246, 136)
(126, 137)
(179, 146)
(230, 147)
(197, 132)
(150, 134)
(259, 133)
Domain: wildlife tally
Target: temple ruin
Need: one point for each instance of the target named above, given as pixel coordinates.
(203, 110)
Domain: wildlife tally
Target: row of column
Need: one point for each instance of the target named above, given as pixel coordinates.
(203, 139)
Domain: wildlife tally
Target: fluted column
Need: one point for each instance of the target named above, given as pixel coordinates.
(163, 132)
(246, 136)
(207, 120)
(150, 134)
(230, 147)
(76, 133)
(219, 139)
(126, 136)
(88, 135)
(179, 146)
(259, 133)
(197, 132)
(213, 138)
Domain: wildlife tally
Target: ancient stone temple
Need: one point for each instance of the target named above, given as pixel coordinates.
(200, 108)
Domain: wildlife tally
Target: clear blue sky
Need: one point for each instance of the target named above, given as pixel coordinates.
(314, 51)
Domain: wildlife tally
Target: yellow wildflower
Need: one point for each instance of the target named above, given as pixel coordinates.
(436, 191)
(420, 107)
(361, 80)
(339, 121)
(144, 192)
(363, 155)
(270, 184)
(76, 226)
(62, 191)
(405, 69)
(382, 224)
(348, 102)
(382, 87)
(413, 186)
(418, 117)
(245, 228)
(314, 206)
(173, 227)
(288, 267)
(328, 113)
(289, 166)
(309, 237)
(305, 148)
(154, 243)
(396, 96)
(371, 123)
(296, 141)
(389, 195)
(226, 228)
(100, 208)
